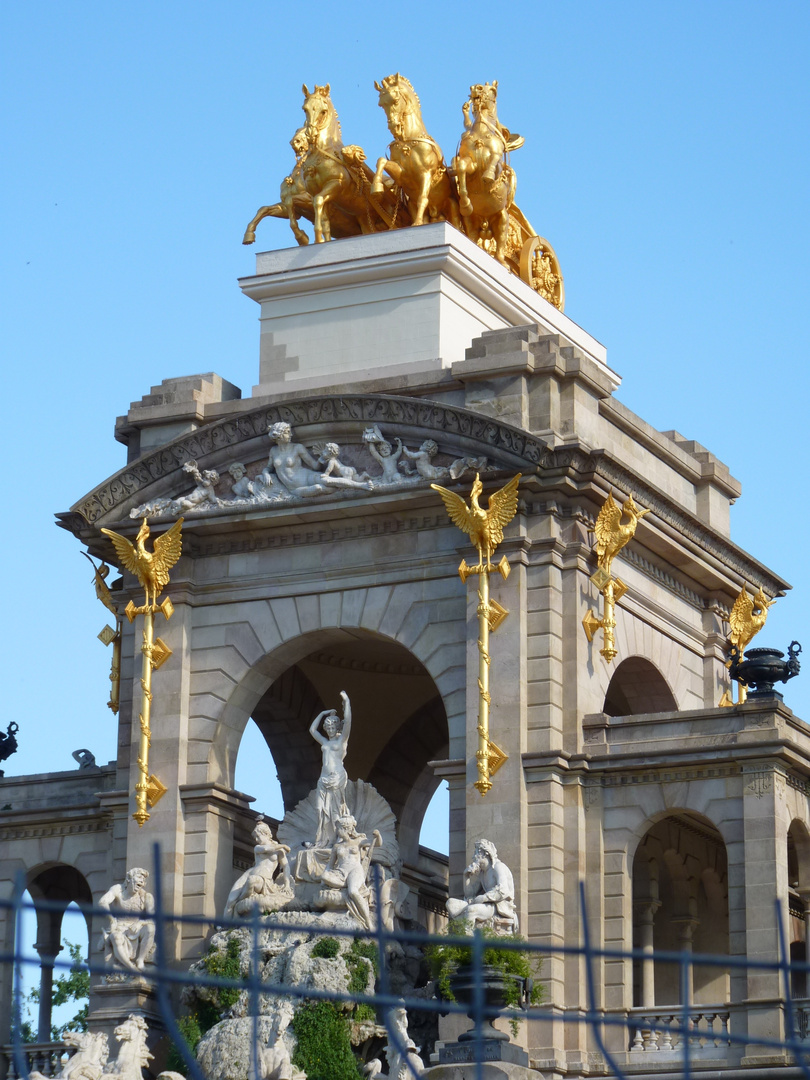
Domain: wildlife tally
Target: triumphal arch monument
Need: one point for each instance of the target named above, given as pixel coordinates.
(318, 558)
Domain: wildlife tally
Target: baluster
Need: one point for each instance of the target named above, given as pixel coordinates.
(638, 1039)
(653, 1040)
(667, 1033)
(724, 1039)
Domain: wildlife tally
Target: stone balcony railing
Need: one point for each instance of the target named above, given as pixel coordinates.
(46, 1058)
(660, 1030)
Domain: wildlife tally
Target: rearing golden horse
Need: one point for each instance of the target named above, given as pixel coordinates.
(416, 162)
(486, 184)
(333, 173)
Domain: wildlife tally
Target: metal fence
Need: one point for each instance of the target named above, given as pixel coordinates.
(679, 1035)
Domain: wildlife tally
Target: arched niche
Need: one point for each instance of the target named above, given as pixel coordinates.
(798, 863)
(637, 686)
(399, 723)
(680, 903)
(53, 888)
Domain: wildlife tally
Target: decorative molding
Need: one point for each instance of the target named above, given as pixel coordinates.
(670, 776)
(54, 828)
(352, 409)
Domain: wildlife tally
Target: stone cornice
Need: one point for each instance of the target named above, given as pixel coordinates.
(506, 447)
(210, 444)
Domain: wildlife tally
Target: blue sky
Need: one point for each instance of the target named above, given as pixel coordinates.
(666, 160)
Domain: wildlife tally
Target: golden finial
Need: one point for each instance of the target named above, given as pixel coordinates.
(485, 529)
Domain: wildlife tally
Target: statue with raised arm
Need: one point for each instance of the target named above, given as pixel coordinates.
(331, 789)
(268, 884)
(489, 893)
(129, 938)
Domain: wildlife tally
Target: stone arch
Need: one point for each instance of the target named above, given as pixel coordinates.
(53, 887)
(798, 863)
(680, 667)
(240, 650)
(680, 906)
(637, 686)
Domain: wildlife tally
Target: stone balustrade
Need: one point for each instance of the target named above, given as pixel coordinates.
(46, 1058)
(660, 1030)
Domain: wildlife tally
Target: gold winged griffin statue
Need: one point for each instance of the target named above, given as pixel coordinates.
(485, 529)
(150, 567)
(152, 571)
(611, 535)
(745, 620)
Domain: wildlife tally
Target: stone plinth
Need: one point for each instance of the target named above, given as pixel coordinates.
(390, 303)
(112, 1003)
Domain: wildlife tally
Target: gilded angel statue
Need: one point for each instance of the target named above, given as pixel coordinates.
(150, 567)
(484, 527)
(611, 535)
(747, 618)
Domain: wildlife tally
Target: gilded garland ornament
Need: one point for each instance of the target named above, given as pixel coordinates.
(611, 534)
(152, 570)
(485, 529)
(331, 185)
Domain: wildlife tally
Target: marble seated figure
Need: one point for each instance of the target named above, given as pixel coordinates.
(128, 939)
(268, 884)
(346, 873)
(489, 893)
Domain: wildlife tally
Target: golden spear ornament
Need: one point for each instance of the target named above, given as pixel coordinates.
(152, 570)
(611, 536)
(485, 529)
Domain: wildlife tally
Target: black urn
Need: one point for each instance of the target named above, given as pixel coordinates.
(762, 668)
(496, 985)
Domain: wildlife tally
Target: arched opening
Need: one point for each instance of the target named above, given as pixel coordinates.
(637, 686)
(61, 897)
(798, 863)
(399, 725)
(680, 904)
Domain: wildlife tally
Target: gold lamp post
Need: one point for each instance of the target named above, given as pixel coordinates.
(152, 570)
(485, 529)
(108, 636)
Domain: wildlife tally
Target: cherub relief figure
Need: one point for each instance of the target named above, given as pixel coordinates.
(329, 458)
(382, 452)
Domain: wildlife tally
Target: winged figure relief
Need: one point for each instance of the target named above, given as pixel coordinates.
(150, 567)
(484, 527)
(611, 534)
(747, 617)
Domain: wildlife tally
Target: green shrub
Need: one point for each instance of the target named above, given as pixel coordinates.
(358, 971)
(192, 1031)
(327, 948)
(445, 959)
(324, 1048)
(224, 965)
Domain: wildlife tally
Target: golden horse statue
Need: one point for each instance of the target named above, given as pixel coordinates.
(486, 184)
(335, 175)
(416, 163)
(294, 199)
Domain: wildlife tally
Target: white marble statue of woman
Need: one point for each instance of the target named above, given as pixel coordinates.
(331, 787)
(348, 865)
(268, 884)
(296, 469)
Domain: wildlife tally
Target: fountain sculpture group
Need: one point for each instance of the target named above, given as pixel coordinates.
(316, 876)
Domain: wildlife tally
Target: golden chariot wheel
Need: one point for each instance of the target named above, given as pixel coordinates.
(540, 269)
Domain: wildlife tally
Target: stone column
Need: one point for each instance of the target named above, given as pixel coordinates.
(48, 946)
(645, 919)
(687, 924)
(765, 823)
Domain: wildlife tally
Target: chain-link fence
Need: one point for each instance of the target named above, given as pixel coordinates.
(683, 1040)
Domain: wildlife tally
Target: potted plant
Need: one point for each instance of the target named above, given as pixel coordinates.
(508, 976)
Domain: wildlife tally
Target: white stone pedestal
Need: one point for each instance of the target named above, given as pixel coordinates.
(391, 303)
